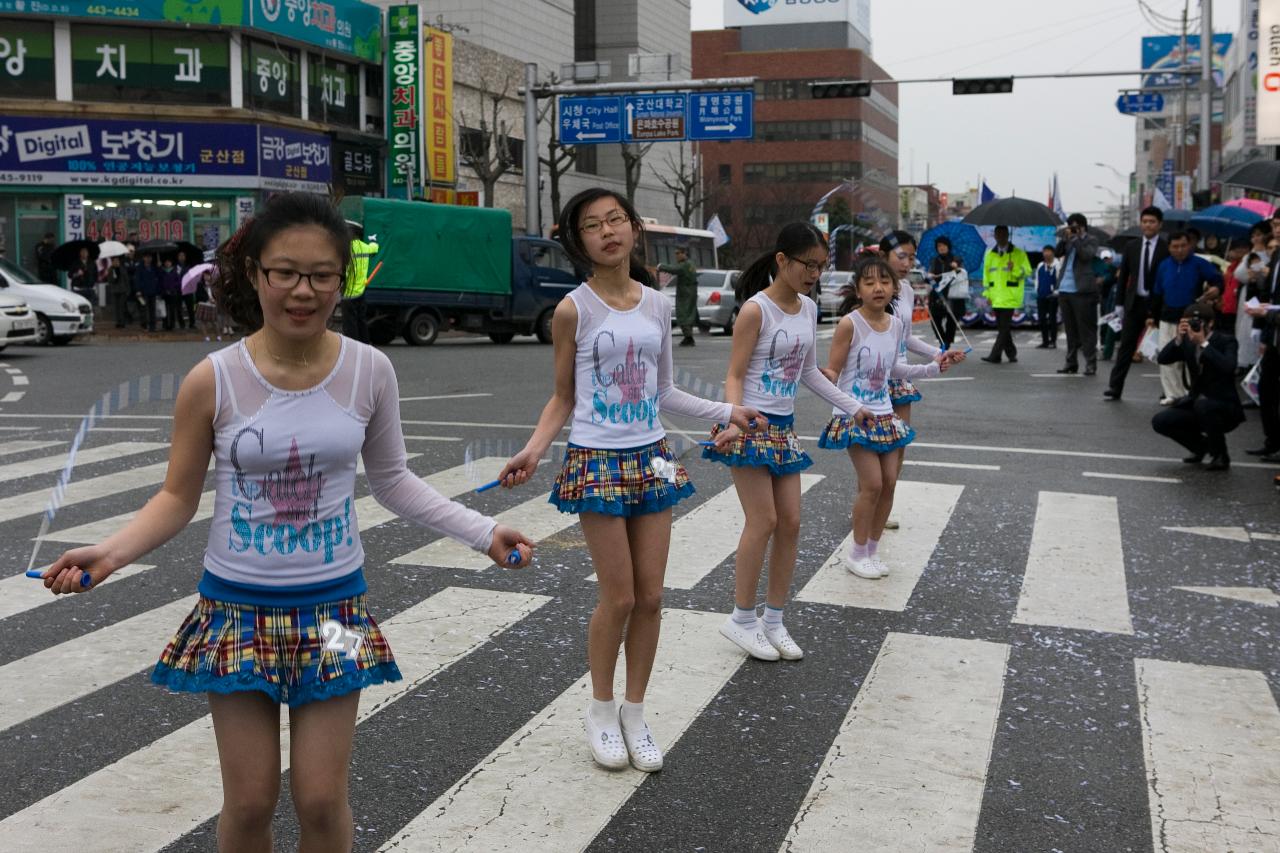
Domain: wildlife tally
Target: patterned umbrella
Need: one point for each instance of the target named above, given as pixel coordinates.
(966, 244)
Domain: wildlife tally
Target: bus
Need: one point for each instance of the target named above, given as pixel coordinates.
(661, 241)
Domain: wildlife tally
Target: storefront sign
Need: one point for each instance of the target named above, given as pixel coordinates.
(438, 94)
(333, 91)
(1268, 73)
(72, 217)
(356, 169)
(136, 64)
(244, 209)
(290, 158)
(404, 108)
(348, 26)
(26, 60)
(272, 78)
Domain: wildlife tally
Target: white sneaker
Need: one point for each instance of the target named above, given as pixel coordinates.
(881, 565)
(863, 568)
(645, 754)
(891, 524)
(750, 638)
(781, 640)
(607, 747)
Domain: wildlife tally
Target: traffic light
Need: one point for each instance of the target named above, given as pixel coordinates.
(982, 86)
(840, 89)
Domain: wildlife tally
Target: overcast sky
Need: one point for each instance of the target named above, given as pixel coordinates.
(1014, 141)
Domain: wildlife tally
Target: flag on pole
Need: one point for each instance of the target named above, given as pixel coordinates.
(985, 194)
(716, 227)
(1160, 200)
(1055, 200)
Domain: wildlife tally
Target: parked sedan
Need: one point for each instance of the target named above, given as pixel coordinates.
(17, 322)
(717, 302)
(829, 293)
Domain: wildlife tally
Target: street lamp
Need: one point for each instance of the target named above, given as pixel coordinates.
(1121, 175)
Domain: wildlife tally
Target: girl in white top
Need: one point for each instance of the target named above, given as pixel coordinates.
(612, 340)
(773, 354)
(866, 353)
(282, 617)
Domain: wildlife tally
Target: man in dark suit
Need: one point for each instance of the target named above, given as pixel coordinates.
(1137, 276)
(1266, 319)
(1201, 420)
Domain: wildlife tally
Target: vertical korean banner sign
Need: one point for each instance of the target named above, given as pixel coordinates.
(1269, 73)
(72, 217)
(404, 110)
(438, 77)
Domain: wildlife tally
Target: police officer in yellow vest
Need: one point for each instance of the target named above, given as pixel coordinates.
(355, 324)
(1005, 269)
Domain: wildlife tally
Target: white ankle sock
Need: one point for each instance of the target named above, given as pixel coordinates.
(743, 616)
(632, 715)
(603, 714)
(772, 616)
(860, 551)
(872, 546)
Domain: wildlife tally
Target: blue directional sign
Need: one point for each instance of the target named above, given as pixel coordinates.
(721, 115)
(587, 121)
(659, 117)
(1131, 103)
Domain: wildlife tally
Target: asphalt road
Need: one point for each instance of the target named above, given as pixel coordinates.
(1035, 675)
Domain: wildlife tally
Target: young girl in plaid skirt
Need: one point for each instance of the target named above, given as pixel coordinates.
(773, 354)
(282, 617)
(612, 340)
(867, 351)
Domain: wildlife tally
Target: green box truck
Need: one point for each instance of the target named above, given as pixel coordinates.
(446, 267)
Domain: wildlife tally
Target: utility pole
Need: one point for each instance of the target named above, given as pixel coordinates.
(532, 188)
(1182, 112)
(1206, 92)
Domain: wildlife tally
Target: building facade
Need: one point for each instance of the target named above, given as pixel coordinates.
(163, 121)
(802, 147)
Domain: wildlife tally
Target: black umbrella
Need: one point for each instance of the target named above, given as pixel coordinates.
(193, 252)
(157, 247)
(66, 255)
(1255, 175)
(1012, 212)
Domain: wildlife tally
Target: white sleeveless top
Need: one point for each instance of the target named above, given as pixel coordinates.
(874, 358)
(285, 468)
(904, 306)
(622, 373)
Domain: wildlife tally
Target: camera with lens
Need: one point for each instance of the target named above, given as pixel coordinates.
(1195, 324)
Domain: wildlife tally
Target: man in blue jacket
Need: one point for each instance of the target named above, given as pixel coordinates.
(1181, 279)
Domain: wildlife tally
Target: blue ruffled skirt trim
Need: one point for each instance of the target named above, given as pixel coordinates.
(621, 482)
(617, 507)
(180, 681)
(902, 392)
(887, 433)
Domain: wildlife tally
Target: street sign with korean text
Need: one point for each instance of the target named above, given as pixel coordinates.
(721, 115)
(1132, 103)
(658, 117)
(590, 121)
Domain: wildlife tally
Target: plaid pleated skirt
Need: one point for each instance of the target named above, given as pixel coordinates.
(295, 655)
(632, 481)
(776, 447)
(889, 432)
(902, 392)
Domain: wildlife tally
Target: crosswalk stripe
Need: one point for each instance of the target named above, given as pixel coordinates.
(76, 668)
(1075, 568)
(536, 518)
(368, 511)
(88, 455)
(20, 593)
(151, 797)
(908, 767)
(10, 447)
(542, 778)
(923, 510)
(1210, 736)
(704, 537)
(81, 491)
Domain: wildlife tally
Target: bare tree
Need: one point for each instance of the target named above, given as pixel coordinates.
(633, 165)
(684, 181)
(560, 158)
(486, 148)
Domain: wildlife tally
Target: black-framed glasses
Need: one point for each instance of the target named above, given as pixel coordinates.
(810, 267)
(616, 219)
(283, 278)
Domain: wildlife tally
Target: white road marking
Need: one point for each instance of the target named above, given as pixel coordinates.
(908, 767)
(924, 510)
(86, 456)
(150, 798)
(12, 397)
(81, 491)
(1233, 534)
(1248, 594)
(1075, 567)
(441, 397)
(946, 379)
(539, 790)
(432, 438)
(1138, 478)
(1057, 375)
(19, 593)
(970, 466)
(1210, 736)
(20, 380)
(10, 447)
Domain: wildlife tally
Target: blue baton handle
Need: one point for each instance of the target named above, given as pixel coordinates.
(85, 580)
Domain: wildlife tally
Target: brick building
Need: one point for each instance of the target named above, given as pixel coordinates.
(802, 147)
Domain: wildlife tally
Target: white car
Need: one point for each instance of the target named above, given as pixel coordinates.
(830, 293)
(17, 322)
(60, 314)
(717, 301)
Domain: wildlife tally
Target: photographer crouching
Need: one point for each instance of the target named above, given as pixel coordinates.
(1200, 420)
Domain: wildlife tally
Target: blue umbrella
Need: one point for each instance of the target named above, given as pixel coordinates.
(1225, 221)
(966, 244)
